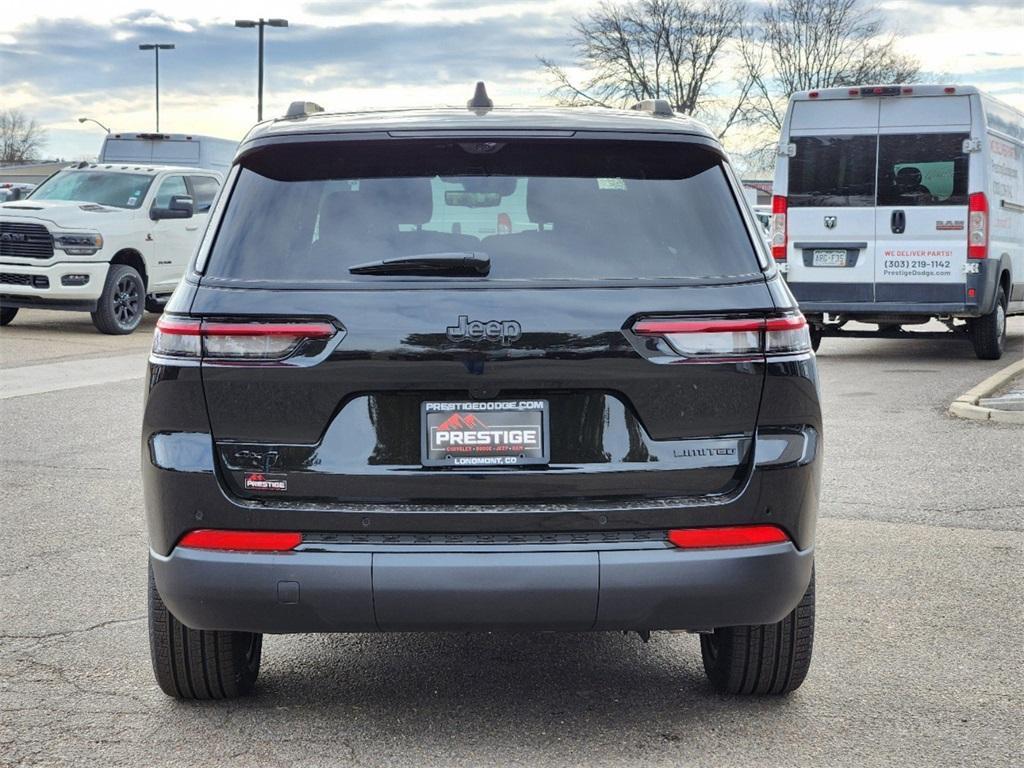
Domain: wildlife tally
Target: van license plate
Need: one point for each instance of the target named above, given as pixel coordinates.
(493, 433)
(828, 259)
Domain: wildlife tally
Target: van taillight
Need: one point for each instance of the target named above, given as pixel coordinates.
(729, 338)
(256, 341)
(779, 233)
(977, 226)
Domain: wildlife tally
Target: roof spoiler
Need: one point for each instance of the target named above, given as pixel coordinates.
(302, 109)
(657, 107)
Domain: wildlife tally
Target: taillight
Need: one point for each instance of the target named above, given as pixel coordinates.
(728, 338)
(728, 536)
(241, 541)
(779, 233)
(236, 340)
(977, 226)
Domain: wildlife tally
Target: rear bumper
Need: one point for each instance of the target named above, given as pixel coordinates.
(652, 588)
(873, 308)
(973, 297)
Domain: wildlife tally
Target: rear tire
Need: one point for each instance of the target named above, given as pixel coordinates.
(197, 663)
(7, 314)
(988, 333)
(762, 658)
(119, 310)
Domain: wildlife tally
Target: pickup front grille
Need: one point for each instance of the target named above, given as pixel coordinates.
(12, 278)
(31, 241)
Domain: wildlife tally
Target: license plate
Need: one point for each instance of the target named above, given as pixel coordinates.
(493, 433)
(828, 258)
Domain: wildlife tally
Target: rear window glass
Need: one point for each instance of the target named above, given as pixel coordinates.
(539, 210)
(829, 171)
(922, 169)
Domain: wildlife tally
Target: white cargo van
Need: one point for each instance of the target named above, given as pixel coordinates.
(169, 149)
(897, 204)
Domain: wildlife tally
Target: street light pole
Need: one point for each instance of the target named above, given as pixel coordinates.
(259, 100)
(156, 48)
(92, 120)
(260, 24)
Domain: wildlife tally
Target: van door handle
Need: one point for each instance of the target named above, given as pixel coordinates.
(898, 222)
(192, 229)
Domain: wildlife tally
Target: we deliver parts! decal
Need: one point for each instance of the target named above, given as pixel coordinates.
(485, 433)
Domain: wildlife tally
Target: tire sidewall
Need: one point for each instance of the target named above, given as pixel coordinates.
(1000, 320)
(124, 286)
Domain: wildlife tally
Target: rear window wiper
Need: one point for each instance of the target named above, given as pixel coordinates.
(456, 264)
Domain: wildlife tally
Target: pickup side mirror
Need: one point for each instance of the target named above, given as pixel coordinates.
(180, 207)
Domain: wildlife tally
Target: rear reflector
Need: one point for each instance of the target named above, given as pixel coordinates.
(243, 340)
(779, 232)
(731, 536)
(977, 226)
(725, 338)
(241, 541)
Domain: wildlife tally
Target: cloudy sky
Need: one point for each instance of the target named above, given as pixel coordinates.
(60, 59)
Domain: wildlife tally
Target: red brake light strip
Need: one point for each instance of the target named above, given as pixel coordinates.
(661, 327)
(241, 541)
(729, 536)
(187, 327)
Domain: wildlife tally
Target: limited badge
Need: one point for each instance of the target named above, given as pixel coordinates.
(258, 481)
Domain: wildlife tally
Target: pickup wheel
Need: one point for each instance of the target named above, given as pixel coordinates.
(119, 309)
(988, 332)
(762, 658)
(200, 664)
(7, 314)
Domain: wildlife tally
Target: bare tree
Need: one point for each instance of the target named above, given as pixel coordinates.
(20, 137)
(653, 49)
(799, 45)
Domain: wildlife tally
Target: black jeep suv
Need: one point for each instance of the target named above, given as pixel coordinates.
(481, 369)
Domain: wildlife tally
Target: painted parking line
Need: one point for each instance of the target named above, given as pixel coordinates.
(70, 374)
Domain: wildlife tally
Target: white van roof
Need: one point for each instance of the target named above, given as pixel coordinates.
(861, 91)
(185, 149)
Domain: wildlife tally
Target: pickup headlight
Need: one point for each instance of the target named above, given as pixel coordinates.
(78, 244)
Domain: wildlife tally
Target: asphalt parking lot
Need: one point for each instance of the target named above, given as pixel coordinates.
(918, 654)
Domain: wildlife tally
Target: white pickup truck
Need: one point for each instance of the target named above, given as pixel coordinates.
(108, 239)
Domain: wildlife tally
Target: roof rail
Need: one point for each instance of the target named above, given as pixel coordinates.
(302, 109)
(657, 107)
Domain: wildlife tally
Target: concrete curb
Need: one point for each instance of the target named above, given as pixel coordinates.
(966, 406)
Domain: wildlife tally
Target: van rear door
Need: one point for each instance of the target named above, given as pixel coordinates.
(921, 216)
(831, 200)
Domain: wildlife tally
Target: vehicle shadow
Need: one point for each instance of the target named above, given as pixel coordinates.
(65, 323)
(955, 348)
(508, 691)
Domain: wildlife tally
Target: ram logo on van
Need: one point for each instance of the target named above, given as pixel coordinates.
(503, 331)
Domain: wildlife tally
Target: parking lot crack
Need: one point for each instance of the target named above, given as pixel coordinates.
(69, 632)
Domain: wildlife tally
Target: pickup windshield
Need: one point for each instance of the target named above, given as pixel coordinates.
(120, 190)
(535, 210)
